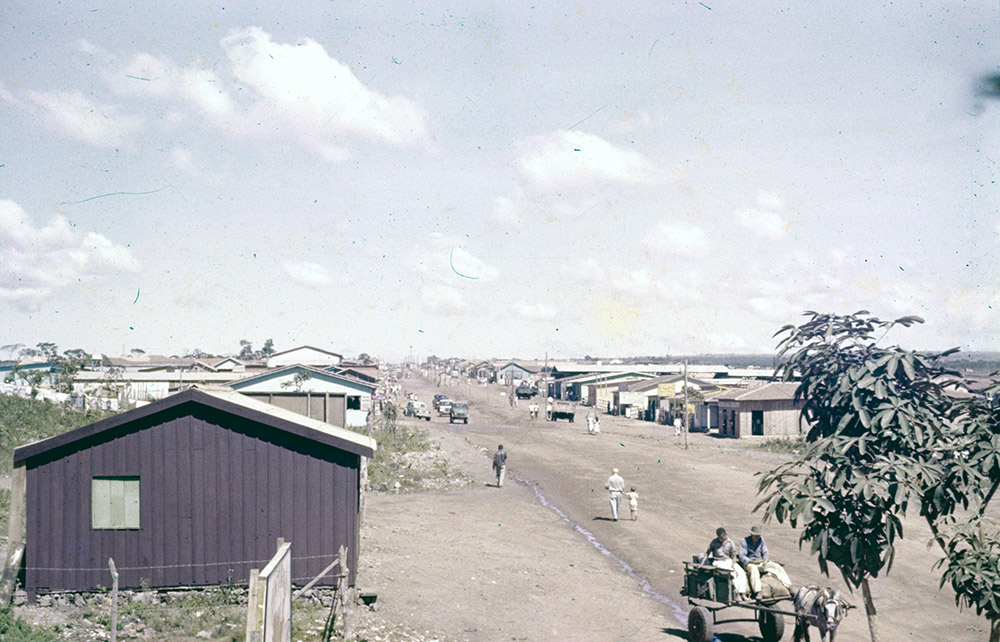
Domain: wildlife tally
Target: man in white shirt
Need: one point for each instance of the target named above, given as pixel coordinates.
(615, 486)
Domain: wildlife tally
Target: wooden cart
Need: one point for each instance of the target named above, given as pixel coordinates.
(709, 591)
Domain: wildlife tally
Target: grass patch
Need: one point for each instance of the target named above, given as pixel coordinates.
(25, 420)
(406, 455)
(782, 445)
(14, 629)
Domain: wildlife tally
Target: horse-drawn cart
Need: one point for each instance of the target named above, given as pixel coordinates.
(710, 590)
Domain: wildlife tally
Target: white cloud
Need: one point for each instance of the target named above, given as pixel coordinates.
(576, 156)
(535, 311)
(80, 117)
(764, 220)
(466, 265)
(677, 238)
(146, 75)
(37, 262)
(442, 299)
(306, 273)
(508, 210)
(319, 95)
(636, 282)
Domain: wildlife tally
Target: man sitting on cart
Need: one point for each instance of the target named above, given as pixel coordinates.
(754, 558)
(722, 553)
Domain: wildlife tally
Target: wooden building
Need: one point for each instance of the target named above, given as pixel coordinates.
(190, 490)
(336, 398)
(765, 410)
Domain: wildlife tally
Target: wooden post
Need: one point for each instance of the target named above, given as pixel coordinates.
(15, 534)
(343, 590)
(253, 608)
(114, 600)
(685, 404)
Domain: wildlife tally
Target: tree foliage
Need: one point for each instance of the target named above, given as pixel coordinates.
(888, 428)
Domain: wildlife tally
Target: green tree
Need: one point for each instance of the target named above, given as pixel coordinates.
(878, 417)
(246, 349)
(268, 349)
(300, 378)
(11, 349)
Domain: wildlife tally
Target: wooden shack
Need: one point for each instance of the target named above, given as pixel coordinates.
(191, 490)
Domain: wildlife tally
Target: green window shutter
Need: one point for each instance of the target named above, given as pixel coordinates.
(114, 503)
(101, 503)
(131, 503)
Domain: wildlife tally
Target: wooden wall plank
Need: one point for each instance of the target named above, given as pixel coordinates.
(147, 498)
(247, 543)
(158, 505)
(200, 497)
(171, 518)
(264, 545)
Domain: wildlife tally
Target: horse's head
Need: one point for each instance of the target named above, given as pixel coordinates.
(831, 609)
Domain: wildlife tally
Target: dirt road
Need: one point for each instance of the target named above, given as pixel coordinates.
(540, 558)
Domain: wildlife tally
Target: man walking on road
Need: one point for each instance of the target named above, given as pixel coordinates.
(615, 486)
(500, 464)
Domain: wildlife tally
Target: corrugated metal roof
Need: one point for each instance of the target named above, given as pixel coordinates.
(766, 392)
(223, 399)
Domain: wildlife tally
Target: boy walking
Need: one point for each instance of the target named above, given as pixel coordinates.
(633, 503)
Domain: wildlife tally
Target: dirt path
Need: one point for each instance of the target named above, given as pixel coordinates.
(497, 564)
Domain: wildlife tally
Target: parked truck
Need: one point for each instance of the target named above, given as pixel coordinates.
(562, 410)
(525, 391)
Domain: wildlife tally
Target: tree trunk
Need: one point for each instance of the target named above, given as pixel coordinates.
(995, 630)
(866, 592)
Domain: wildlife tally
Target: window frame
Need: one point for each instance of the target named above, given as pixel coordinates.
(129, 515)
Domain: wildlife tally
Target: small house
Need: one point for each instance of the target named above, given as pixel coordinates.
(335, 398)
(191, 490)
(512, 373)
(305, 355)
(764, 410)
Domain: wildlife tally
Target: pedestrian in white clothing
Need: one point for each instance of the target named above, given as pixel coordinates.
(597, 425)
(615, 486)
(633, 503)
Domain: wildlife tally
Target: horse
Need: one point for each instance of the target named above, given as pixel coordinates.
(822, 608)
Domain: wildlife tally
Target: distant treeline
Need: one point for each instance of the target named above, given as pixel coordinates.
(731, 360)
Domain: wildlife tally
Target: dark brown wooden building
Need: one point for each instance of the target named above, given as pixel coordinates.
(193, 489)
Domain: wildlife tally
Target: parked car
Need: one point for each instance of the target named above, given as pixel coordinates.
(459, 412)
(417, 409)
(444, 407)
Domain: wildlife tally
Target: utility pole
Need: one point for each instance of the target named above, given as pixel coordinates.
(685, 404)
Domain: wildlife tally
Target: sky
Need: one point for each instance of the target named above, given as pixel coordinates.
(495, 179)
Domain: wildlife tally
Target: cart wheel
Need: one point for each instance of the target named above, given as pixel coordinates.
(772, 626)
(699, 625)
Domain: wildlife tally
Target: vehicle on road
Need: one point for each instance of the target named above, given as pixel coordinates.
(524, 391)
(709, 590)
(437, 399)
(417, 409)
(562, 410)
(459, 412)
(444, 407)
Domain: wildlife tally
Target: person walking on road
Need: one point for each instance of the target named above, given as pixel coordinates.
(615, 486)
(597, 425)
(500, 464)
(633, 503)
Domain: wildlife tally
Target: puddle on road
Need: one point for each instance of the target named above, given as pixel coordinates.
(679, 611)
